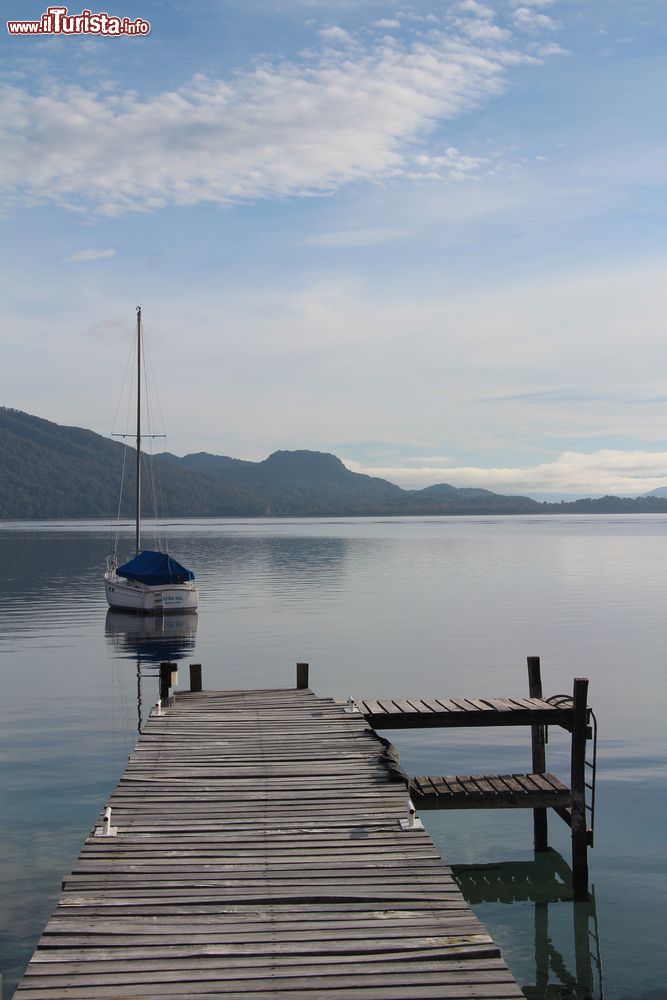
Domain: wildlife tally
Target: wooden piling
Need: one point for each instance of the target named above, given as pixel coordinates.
(538, 746)
(165, 681)
(542, 946)
(578, 789)
(302, 675)
(195, 677)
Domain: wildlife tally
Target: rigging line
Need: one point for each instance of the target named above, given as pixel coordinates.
(152, 396)
(120, 501)
(149, 393)
(158, 503)
(150, 464)
(155, 484)
(129, 366)
(129, 412)
(150, 374)
(151, 479)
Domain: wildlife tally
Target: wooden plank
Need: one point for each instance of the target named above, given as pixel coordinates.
(403, 705)
(391, 713)
(481, 705)
(448, 705)
(429, 703)
(420, 705)
(259, 854)
(500, 704)
(499, 991)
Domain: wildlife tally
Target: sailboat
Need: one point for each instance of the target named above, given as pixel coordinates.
(152, 582)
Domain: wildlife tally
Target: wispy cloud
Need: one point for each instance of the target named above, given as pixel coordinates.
(581, 394)
(450, 164)
(354, 111)
(605, 471)
(355, 238)
(531, 21)
(84, 255)
(532, 3)
(334, 33)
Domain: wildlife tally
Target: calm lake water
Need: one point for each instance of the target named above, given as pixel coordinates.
(402, 606)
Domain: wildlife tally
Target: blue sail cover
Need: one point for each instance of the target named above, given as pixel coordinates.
(155, 569)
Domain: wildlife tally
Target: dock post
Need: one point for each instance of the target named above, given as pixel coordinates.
(578, 790)
(195, 677)
(165, 681)
(538, 743)
(542, 946)
(583, 959)
(302, 675)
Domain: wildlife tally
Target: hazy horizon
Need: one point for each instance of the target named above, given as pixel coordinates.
(404, 484)
(425, 237)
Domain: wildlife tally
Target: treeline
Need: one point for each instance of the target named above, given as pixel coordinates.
(49, 472)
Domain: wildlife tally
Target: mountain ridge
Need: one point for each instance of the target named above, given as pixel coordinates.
(50, 471)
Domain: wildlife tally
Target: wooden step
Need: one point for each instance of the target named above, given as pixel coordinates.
(478, 791)
(420, 713)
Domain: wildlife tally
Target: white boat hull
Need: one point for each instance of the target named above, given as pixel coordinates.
(130, 595)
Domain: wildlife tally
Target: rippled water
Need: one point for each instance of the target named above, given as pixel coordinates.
(378, 607)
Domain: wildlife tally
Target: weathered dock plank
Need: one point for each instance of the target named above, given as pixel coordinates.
(538, 790)
(476, 791)
(259, 854)
(462, 712)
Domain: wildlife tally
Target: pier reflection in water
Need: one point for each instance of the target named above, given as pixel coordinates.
(545, 882)
(148, 640)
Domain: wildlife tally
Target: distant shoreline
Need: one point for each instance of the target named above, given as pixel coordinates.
(129, 523)
(49, 472)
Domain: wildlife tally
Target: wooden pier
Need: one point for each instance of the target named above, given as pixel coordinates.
(259, 846)
(538, 790)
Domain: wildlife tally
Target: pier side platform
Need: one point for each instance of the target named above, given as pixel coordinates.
(258, 847)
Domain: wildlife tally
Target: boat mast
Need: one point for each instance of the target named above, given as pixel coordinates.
(137, 537)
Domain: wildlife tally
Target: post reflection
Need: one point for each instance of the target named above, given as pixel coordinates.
(148, 640)
(545, 882)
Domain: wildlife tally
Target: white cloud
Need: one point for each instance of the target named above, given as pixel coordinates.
(605, 471)
(355, 238)
(386, 22)
(551, 49)
(450, 164)
(282, 129)
(475, 8)
(334, 33)
(529, 20)
(83, 255)
(483, 31)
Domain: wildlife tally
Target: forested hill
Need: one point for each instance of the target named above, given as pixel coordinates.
(49, 471)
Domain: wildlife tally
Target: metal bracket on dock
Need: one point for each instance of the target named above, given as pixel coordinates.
(411, 822)
(106, 830)
(158, 708)
(351, 707)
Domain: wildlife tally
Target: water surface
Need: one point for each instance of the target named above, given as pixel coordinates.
(400, 606)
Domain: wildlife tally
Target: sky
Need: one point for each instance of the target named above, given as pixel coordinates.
(428, 237)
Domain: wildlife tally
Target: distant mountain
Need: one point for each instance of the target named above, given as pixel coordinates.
(318, 475)
(660, 492)
(477, 499)
(49, 471)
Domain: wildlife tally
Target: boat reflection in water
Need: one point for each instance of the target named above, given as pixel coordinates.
(148, 641)
(545, 881)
